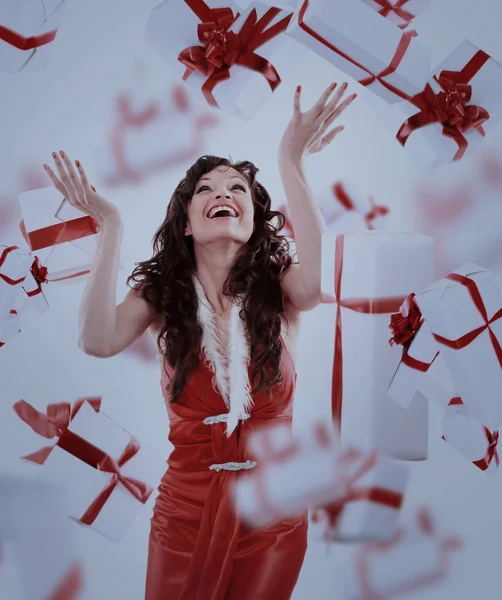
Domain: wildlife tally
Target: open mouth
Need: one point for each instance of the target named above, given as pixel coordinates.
(222, 211)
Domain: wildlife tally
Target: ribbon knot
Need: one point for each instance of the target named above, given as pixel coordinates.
(406, 323)
(38, 271)
(450, 106)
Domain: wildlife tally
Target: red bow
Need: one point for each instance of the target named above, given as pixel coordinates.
(221, 48)
(397, 8)
(491, 452)
(39, 272)
(450, 107)
(406, 323)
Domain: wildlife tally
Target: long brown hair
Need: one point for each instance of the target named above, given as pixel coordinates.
(166, 281)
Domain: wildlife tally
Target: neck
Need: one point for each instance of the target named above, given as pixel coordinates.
(212, 271)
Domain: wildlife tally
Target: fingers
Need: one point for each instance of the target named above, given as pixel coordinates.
(296, 102)
(327, 138)
(65, 178)
(321, 103)
(337, 111)
(83, 178)
(74, 178)
(57, 184)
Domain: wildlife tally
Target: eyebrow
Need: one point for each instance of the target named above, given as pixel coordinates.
(233, 177)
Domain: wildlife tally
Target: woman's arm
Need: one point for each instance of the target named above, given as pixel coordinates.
(306, 134)
(105, 329)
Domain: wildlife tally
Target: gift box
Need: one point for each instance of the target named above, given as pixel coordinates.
(38, 559)
(368, 275)
(227, 59)
(151, 136)
(373, 51)
(399, 12)
(64, 239)
(470, 438)
(9, 327)
(416, 559)
(346, 209)
(464, 312)
(27, 31)
(422, 368)
(454, 111)
(115, 474)
(292, 472)
(370, 507)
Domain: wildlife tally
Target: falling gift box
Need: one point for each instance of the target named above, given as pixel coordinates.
(150, 137)
(38, 559)
(464, 313)
(115, 474)
(346, 209)
(292, 473)
(470, 438)
(64, 239)
(422, 367)
(9, 327)
(370, 507)
(416, 559)
(27, 31)
(368, 276)
(358, 41)
(399, 12)
(12, 276)
(459, 105)
(226, 58)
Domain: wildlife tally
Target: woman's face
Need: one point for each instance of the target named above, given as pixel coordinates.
(221, 208)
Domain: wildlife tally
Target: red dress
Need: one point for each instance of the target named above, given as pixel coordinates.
(198, 548)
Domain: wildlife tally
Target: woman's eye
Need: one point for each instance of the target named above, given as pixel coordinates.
(202, 187)
(240, 186)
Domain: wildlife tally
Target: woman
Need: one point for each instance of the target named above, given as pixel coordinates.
(223, 298)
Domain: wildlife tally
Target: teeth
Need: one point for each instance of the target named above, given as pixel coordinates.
(216, 209)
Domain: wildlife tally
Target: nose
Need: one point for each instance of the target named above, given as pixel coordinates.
(223, 195)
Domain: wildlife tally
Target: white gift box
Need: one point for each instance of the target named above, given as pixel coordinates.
(422, 369)
(347, 209)
(102, 436)
(417, 558)
(62, 237)
(287, 4)
(27, 32)
(470, 438)
(38, 553)
(452, 314)
(375, 271)
(293, 472)
(9, 327)
(148, 138)
(399, 12)
(359, 42)
(370, 509)
(428, 145)
(172, 28)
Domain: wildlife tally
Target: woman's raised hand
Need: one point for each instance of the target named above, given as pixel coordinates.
(309, 132)
(73, 184)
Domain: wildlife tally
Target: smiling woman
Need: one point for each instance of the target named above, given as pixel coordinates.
(223, 299)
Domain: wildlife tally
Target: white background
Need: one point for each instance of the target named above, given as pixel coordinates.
(69, 105)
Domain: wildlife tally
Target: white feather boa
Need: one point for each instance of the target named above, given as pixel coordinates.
(231, 377)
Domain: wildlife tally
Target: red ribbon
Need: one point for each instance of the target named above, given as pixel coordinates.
(26, 43)
(67, 231)
(449, 107)
(3, 258)
(362, 305)
(39, 273)
(464, 340)
(491, 437)
(70, 586)
(221, 48)
(375, 494)
(376, 210)
(412, 324)
(399, 54)
(428, 529)
(397, 8)
(55, 424)
(340, 193)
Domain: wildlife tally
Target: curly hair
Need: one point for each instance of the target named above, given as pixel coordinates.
(166, 282)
